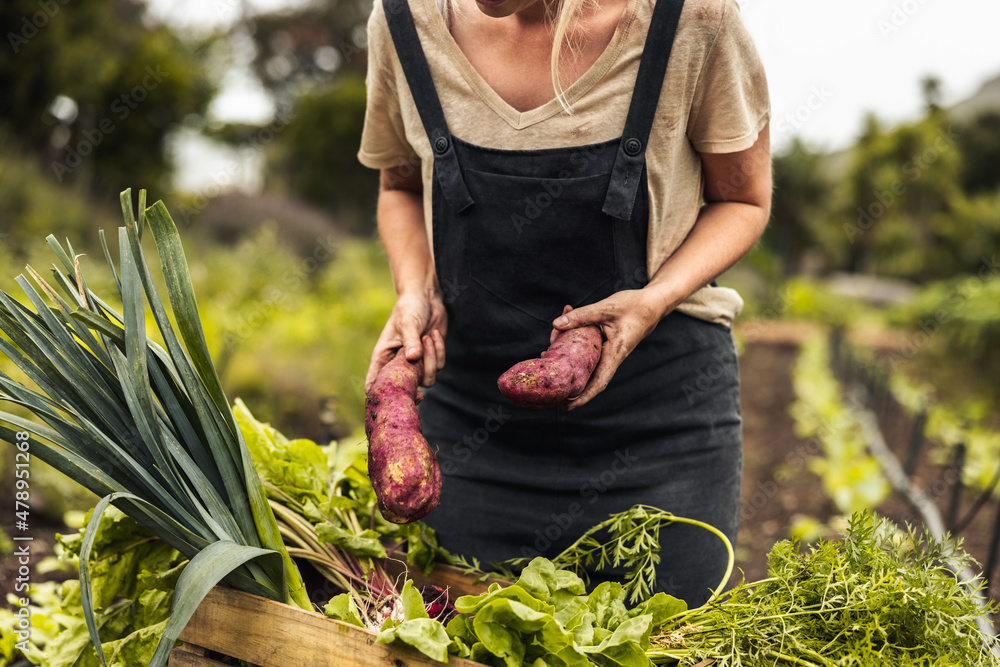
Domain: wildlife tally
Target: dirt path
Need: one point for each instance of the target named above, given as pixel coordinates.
(777, 486)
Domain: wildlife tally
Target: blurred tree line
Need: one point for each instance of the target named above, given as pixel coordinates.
(93, 93)
(90, 91)
(919, 201)
(312, 62)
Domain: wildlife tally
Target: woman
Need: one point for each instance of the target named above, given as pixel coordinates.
(548, 164)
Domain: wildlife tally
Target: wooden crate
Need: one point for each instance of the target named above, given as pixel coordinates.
(271, 634)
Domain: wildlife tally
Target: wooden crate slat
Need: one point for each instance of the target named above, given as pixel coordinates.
(181, 658)
(271, 634)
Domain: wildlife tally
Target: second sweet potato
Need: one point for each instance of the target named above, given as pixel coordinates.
(560, 374)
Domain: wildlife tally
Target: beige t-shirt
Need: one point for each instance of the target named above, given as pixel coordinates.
(714, 100)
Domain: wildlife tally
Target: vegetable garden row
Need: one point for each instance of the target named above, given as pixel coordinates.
(210, 496)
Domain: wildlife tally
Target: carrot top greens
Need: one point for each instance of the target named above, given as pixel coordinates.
(879, 597)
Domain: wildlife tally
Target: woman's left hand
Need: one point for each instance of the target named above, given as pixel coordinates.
(625, 318)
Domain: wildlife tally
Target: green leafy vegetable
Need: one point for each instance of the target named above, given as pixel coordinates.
(412, 602)
(365, 543)
(545, 618)
(325, 498)
(880, 597)
(146, 428)
(851, 476)
(300, 468)
(416, 628)
(133, 578)
(342, 608)
(424, 634)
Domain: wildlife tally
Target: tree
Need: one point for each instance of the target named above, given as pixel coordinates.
(304, 51)
(315, 156)
(979, 142)
(312, 62)
(930, 87)
(92, 89)
(904, 212)
(800, 207)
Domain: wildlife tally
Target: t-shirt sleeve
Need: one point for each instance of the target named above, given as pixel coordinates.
(383, 138)
(731, 103)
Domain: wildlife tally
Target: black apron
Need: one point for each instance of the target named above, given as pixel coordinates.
(518, 234)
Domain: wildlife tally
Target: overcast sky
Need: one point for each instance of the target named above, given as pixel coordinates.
(828, 63)
(868, 55)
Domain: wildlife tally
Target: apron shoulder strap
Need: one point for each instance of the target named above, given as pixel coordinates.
(418, 78)
(631, 157)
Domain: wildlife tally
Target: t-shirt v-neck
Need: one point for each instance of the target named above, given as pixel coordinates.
(521, 119)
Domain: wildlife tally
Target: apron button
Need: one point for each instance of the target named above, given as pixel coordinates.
(633, 147)
(441, 145)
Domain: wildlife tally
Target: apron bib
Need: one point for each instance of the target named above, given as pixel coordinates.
(517, 235)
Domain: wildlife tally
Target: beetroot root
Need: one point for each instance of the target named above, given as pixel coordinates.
(403, 469)
(561, 373)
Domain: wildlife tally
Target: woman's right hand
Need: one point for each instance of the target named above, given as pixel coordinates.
(417, 324)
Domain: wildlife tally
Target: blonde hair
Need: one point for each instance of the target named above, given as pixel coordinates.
(559, 17)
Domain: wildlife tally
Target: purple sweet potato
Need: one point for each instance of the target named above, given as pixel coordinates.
(560, 374)
(403, 469)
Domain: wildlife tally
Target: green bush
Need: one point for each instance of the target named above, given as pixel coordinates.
(287, 331)
(959, 319)
(32, 206)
